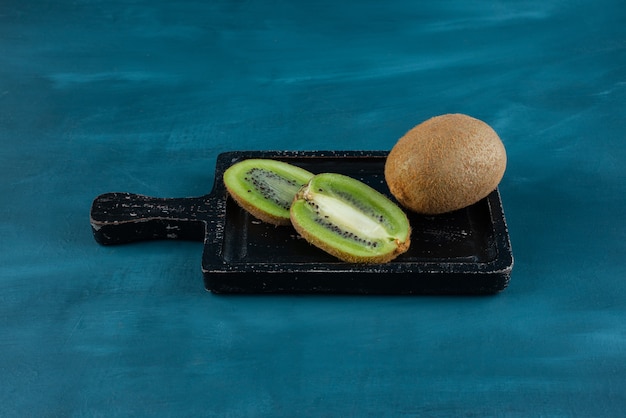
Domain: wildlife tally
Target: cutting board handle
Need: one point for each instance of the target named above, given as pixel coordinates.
(118, 218)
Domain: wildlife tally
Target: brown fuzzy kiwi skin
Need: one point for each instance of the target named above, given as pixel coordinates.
(446, 163)
(256, 212)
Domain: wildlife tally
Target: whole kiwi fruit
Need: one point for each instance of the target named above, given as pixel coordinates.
(445, 163)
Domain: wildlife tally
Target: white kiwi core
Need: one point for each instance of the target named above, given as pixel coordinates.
(342, 213)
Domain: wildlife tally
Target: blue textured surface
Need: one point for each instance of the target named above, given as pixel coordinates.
(141, 96)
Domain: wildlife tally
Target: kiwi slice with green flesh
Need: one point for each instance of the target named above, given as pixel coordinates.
(265, 187)
(350, 220)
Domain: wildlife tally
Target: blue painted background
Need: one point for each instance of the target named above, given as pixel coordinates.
(141, 96)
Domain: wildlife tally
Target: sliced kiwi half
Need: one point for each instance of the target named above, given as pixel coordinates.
(265, 187)
(350, 220)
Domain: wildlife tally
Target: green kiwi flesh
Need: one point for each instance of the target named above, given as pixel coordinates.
(265, 188)
(350, 220)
